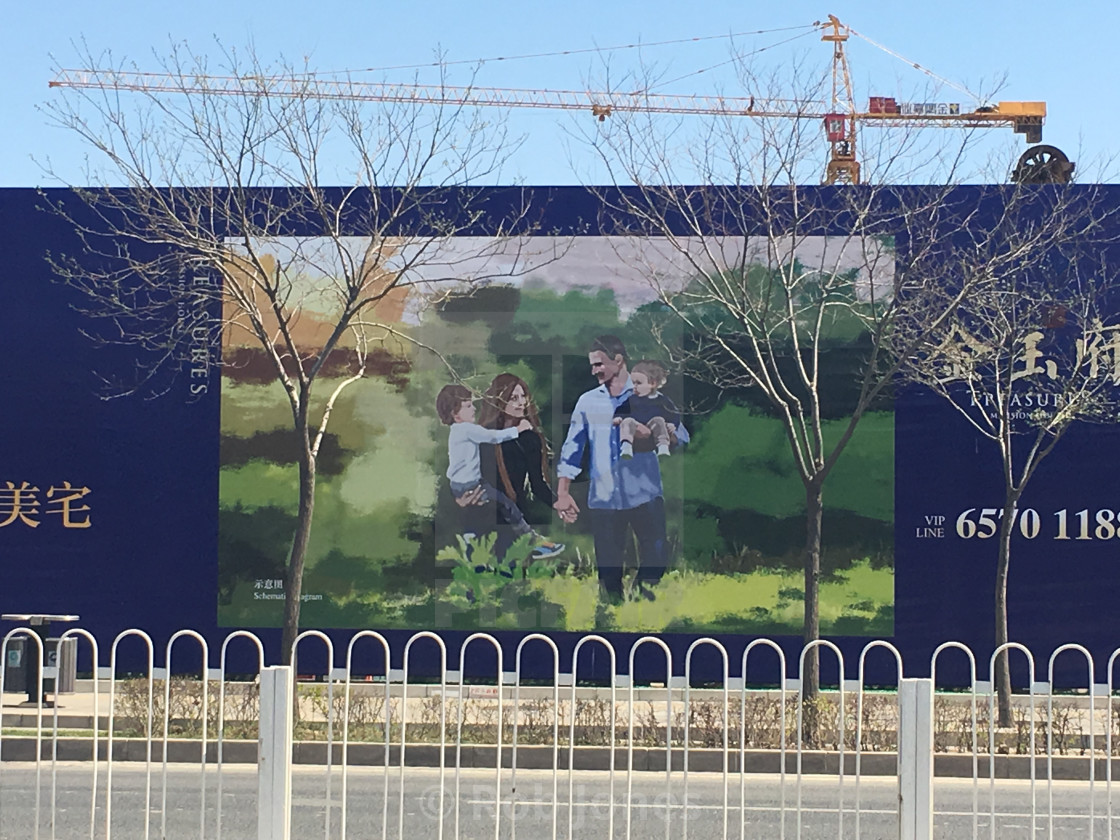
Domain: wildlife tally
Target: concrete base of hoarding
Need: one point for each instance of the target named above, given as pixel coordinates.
(21, 747)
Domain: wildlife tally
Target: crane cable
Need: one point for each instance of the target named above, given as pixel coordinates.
(979, 99)
(481, 61)
(812, 29)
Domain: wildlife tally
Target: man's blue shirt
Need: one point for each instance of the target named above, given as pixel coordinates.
(616, 483)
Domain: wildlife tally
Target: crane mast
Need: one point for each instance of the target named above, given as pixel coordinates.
(840, 126)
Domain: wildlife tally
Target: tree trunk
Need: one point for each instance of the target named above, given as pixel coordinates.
(1002, 674)
(811, 685)
(293, 584)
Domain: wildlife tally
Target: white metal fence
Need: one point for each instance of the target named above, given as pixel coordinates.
(371, 749)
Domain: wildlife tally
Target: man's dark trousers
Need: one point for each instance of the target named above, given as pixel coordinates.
(611, 529)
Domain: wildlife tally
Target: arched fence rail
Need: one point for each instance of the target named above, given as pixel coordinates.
(374, 746)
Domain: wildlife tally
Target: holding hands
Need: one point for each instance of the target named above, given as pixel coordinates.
(566, 506)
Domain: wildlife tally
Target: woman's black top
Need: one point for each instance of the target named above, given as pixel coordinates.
(523, 463)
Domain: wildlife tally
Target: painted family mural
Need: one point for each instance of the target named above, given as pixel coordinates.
(530, 453)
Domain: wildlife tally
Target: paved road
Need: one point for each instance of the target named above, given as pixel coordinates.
(528, 813)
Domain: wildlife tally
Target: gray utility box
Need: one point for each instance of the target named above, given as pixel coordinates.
(15, 665)
(62, 654)
(64, 657)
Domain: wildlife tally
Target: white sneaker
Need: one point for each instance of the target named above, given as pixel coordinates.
(663, 450)
(627, 450)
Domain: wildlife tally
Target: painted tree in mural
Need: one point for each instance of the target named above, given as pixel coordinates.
(783, 279)
(201, 248)
(1034, 351)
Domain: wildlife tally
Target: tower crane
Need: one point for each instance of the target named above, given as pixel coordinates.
(1038, 164)
(840, 117)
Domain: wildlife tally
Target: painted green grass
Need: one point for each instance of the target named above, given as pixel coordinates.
(858, 602)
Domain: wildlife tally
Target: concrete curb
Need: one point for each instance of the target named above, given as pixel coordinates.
(541, 757)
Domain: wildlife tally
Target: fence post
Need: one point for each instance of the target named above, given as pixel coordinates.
(915, 759)
(274, 777)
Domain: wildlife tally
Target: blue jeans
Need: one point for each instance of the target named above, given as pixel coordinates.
(611, 530)
(508, 512)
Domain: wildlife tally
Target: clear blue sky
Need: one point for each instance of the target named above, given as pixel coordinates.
(1065, 55)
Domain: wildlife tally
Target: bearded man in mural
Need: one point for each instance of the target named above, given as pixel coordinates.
(625, 494)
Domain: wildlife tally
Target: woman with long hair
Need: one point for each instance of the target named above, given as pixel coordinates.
(520, 466)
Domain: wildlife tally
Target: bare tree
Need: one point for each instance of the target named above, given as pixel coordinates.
(226, 186)
(1031, 353)
(781, 276)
